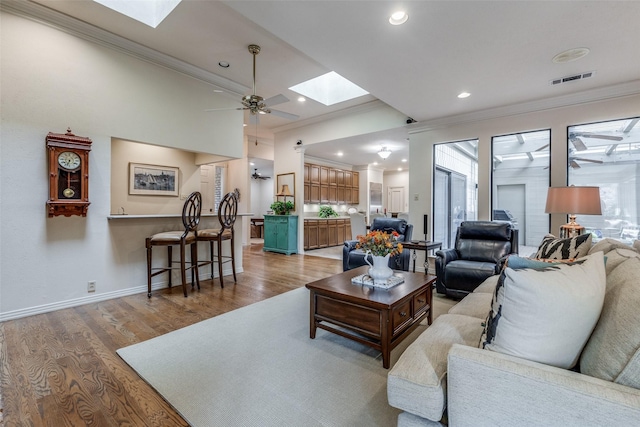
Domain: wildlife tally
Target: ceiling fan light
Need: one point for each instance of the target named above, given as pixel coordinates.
(384, 153)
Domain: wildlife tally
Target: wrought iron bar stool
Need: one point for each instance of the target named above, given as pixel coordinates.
(227, 212)
(190, 219)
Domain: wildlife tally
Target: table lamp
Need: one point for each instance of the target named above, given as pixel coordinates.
(573, 200)
(285, 192)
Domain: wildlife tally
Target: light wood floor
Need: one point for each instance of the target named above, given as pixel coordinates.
(61, 368)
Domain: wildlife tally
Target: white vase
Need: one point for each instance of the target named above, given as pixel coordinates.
(380, 270)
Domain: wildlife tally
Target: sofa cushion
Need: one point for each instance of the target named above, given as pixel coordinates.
(617, 256)
(546, 315)
(613, 351)
(476, 304)
(488, 286)
(417, 382)
(555, 248)
(607, 244)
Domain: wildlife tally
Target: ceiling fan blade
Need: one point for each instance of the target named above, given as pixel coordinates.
(574, 164)
(284, 115)
(275, 100)
(588, 160)
(577, 142)
(226, 109)
(598, 136)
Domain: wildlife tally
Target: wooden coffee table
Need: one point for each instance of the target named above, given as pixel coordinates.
(379, 318)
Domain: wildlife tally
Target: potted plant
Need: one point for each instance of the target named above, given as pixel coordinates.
(281, 208)
(327, 212)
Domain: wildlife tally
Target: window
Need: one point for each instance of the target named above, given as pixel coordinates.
(455, 188)
(520, 179)
(607, 155)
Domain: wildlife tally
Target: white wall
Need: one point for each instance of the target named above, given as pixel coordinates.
(51, 80)
(262, 196)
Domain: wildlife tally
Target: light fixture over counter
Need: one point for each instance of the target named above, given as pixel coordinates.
(384, 153)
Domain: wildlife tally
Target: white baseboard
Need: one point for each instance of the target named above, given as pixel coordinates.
(46, 308)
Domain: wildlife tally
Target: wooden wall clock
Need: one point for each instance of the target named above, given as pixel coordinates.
(68, 174)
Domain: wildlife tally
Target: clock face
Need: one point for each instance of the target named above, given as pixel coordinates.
(69, 160)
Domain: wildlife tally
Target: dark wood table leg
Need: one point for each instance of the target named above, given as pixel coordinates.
(312, 315)
(385, 339)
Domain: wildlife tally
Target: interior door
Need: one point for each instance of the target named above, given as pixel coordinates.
(396, 199)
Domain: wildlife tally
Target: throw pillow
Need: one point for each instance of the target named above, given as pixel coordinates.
(546, 315)
(571, 248)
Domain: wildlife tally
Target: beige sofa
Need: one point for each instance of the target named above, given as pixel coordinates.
(444, 377)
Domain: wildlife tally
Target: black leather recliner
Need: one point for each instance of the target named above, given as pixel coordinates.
(479, 252)
(352, 257)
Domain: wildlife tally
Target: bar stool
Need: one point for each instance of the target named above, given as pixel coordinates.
(227, 212)
(190, 219)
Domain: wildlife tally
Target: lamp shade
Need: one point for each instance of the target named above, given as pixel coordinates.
(284, 191)
(574, 200)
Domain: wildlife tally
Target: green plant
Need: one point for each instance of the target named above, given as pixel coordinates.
(327, 212)
(282, 208)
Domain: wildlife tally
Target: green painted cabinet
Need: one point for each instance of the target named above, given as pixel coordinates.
(281, 234)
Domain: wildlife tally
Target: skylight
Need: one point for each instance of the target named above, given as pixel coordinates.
(149, 12)
(329, 89)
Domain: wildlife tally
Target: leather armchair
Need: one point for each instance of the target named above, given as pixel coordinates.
(352, 257)
(479, 252)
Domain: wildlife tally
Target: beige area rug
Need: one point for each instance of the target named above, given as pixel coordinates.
(257, 366)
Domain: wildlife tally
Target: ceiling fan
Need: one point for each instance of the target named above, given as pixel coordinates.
(256, 104)
(574, 137)
(573, 161)
(256, 175)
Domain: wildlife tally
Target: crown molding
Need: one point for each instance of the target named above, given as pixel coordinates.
(598, 94)
(43, 15)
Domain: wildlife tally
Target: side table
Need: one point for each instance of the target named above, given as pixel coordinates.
(421, 245)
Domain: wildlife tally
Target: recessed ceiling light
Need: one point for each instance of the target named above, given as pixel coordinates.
(244, 125)
(218, 91)
(340, 153)
(375, 163)
(398, 18)
(301, 99)
(404, 160)
(570, 55)
(223, 64)
(462, 95)
(399, 169)
(252, 164)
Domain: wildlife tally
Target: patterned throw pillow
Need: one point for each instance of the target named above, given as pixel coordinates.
(571, 248)
(547, 313)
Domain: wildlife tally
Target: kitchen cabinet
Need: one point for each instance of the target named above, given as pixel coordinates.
(281, 234)
(326, 185)
(322, 233)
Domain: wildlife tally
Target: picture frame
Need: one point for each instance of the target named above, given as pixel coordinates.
(288, 180)
(153, 180)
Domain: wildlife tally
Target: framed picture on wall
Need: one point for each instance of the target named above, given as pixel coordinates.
(286, 188)
(153, 180)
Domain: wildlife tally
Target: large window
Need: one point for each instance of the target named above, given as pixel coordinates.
(607, 155)
(455, 188)
(520, 180)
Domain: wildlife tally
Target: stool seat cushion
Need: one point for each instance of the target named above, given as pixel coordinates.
(213, 233)
(171, 237)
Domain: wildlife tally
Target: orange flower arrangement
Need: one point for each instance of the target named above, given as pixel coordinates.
(380, 243)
